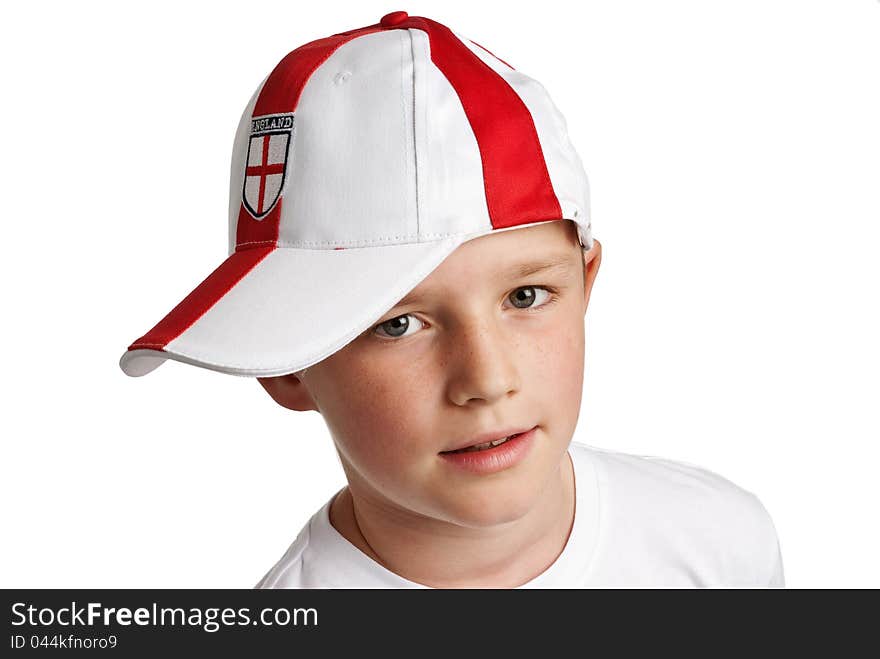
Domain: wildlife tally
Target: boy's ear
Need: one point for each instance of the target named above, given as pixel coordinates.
(592, 259)
(289, 391)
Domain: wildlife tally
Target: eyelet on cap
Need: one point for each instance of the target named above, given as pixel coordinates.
(394, 18)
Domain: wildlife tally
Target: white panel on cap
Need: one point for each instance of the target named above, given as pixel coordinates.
(452, 195)
(239, 155)
(351, 164)
(563, 163)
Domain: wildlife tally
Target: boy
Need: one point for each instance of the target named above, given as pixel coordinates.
(411, 256)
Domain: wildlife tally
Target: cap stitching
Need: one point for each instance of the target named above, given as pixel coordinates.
(416, 238)
(406, 200)
(415, 142)
(296, 243)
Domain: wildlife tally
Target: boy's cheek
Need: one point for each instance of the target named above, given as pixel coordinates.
(561, 357)
(379, 432)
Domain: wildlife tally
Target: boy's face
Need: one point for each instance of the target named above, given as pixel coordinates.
(473, 358)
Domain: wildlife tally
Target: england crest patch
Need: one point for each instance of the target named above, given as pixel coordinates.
(267, 158)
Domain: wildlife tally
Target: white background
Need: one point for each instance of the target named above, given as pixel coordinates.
(733, 150)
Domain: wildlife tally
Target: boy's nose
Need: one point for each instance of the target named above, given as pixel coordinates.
(481, 365)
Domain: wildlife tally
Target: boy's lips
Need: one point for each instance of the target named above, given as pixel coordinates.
(495, 459)
(491, 436)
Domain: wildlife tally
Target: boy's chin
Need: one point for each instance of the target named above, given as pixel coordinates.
(486, 511)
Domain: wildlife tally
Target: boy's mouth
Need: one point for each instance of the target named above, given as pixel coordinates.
(487, 445)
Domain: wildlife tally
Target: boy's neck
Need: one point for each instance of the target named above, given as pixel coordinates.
(530, 547)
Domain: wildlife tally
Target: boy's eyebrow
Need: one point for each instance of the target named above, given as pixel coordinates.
(532, 267)
(514, 272)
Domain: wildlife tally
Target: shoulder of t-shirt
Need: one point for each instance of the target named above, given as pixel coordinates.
(709, 506)
(287, 572)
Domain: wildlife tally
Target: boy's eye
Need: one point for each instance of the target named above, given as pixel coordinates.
(396, 327)
(522, 298)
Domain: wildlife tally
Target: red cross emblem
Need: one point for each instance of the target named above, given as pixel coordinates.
(266, 163)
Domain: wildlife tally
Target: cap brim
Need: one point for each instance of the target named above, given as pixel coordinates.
(276, 310)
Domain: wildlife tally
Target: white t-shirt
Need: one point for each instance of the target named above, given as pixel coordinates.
(640, 521)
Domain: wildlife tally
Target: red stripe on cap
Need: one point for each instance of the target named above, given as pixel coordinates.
(518, 186)
(281, 93)
(202, 298)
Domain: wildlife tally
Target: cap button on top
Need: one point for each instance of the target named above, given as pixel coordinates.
(394, 18)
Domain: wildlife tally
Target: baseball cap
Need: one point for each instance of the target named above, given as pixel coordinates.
(360, 163)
